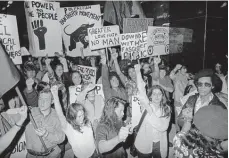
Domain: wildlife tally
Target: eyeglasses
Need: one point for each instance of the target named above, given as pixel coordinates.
(200, 84)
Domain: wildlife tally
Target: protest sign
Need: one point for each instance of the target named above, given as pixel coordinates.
(74, 23)
(175, 43)
(134, 45)
(9, 37)
(99, 90)
(158, 40)
(88, 73)
(74, 91)
(132, 25)
(187, 33)
(102, 37)
(43, 28)
(136, 111)
(20, 149)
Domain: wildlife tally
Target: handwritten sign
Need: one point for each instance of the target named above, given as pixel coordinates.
(9, 37)
(74, 91)
(102, 37)
(136, 111)
(134, 45)
(132, 25)
(74, 23)
(88, 73)
(20, 149)
(158, 40)
(43, 28)
(99, 90)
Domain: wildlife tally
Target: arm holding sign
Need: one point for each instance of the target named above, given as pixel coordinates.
(141, 88)
(6, 139)
(117, 68)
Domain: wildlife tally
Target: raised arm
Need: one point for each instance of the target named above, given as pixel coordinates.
(142, 91)
(58, 108)
(6, 139)
(82, 95)
(156, 72)
(174, 71)
(117, 68)
(64, 63)
(49, 68)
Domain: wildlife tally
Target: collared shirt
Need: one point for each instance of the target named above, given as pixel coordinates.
(51, 123)
(200, 105)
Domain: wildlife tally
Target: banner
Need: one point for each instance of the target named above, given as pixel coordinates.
(136, 111)
(132, 25)
(88, 73)
(74, 91)
(20, 150)
(134, 45)
(43, 28)
(9, 37)
(102, 37)
(74, 24)
(158, 40)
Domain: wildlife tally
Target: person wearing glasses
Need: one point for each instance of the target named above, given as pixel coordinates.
(205, 83)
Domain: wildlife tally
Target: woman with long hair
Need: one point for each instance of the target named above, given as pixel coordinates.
(110, 131)
(151, 139)
(76, 127)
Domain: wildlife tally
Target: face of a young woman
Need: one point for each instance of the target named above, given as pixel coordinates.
(31, 74)
(156, 96)
(76, 79)
(114, 82)
(59, 70)
(132, 74)
(120, 111)
(80, 117)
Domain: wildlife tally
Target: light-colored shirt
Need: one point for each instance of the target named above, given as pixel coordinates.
(180, 82)
(200, 105)
(51, 123)
(82, 144)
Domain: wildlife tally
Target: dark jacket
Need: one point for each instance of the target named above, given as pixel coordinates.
(191, 103)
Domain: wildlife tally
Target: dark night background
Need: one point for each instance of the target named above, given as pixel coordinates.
(182, 14)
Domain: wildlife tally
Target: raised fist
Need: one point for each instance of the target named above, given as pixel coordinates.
(39, 31)
(123, 133)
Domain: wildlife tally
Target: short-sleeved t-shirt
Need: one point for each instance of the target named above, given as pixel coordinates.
(103, 132)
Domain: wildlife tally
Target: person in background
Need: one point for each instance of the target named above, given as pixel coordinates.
(42, 68)
(151, 140)
(205, 82)
(219, 73)
(110, 132)
(76, 126)
(111, 83)
(208, 136)
(58, 75)
(48, 128)
(180, 81)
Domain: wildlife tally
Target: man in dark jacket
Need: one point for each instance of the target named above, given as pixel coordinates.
(205, 83)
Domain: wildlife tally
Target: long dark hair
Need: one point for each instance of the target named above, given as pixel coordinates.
(71, 115)
(56, 62)
(71, 74)
(204, 147)
(109, 116)
(164, 102)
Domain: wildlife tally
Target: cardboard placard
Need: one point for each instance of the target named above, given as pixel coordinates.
(43, 28)
(134, 45)
(20, 149)
(102, 37)
(74, 23)
(9, 37)
(158, 40)
(136, 111)
(74, 91)
(88, 74)
(99, 90)
(132, 25)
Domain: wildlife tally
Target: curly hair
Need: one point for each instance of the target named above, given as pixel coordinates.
(71, 115)
(109, 116)
(204, 146)
(164, 102)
